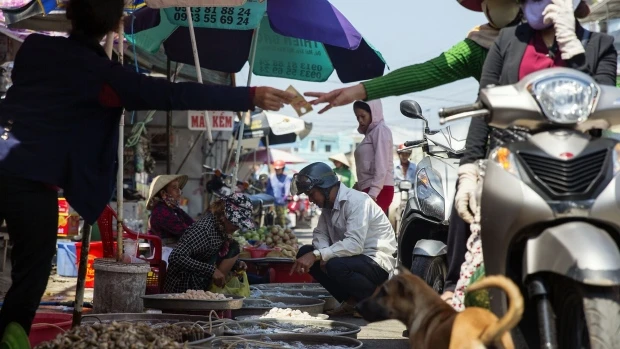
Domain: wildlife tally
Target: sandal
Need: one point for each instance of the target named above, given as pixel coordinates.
(14, 337)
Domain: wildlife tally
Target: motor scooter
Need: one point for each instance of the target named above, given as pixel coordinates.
(423, 228)
(550, 206)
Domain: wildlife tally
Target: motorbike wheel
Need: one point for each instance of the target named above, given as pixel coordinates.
(433, 270)
(587, 317)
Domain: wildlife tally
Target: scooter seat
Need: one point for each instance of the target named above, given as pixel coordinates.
(266, 200)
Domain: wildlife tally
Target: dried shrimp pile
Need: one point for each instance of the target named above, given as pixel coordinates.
(112, 336)
(181, 333)
(199, 295)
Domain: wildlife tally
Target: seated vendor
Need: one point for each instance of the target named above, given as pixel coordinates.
(353, 244)
(206, 253)
(168, 220)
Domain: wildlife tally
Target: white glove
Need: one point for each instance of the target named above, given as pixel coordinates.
(465, 199)
(562, 14)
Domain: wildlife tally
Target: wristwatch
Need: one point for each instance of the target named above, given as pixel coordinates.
(317, 255)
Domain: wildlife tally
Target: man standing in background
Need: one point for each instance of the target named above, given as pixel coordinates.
(405, 170)
(278, 186)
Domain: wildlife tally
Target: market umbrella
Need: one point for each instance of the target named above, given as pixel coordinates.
(45, 15)
(277, 55)
(297, 39)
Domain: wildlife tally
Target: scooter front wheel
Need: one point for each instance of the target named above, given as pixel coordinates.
(431, 269)
(586, 316)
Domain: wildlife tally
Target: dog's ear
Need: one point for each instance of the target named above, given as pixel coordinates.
(402, 285)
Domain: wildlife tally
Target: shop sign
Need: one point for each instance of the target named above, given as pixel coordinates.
(220, 120)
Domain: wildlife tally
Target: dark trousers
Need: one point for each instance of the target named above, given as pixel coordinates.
(458, 233)
(31, 213)
(346, 277)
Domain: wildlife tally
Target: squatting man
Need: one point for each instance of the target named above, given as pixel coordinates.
(353, 244)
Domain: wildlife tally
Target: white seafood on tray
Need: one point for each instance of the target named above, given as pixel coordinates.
(199, 295)
(288, 313)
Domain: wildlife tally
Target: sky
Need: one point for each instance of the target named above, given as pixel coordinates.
(405, 32)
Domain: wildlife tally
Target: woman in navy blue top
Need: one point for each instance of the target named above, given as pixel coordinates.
(59, 129)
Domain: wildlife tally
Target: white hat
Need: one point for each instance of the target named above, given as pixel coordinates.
(340, 158)
(159, 183)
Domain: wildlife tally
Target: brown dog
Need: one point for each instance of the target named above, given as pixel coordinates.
(433, 324)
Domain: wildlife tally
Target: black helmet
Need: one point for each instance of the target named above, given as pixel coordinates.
(317, 174)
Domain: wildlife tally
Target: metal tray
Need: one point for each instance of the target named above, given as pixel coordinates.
(216, 325)
(290, 287)
(310, 305)
(233, 328)
(160, 301)
(330, 301)
(307, 339)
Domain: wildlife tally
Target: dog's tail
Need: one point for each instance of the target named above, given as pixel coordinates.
(515, 307)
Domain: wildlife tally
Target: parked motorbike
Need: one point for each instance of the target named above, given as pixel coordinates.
(220, 185)
(423, 228)
(300, 209)
(550, 206)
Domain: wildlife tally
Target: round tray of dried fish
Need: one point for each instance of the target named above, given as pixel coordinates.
(260, 306)
(290, 286)
(198, 301)
(126, 335)
(275, 341)
(275, 326)
(210, 324)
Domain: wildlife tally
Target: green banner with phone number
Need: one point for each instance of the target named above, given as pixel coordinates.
(290, 58)
(246, 17)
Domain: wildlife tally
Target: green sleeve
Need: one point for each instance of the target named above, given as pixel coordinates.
(463, 60)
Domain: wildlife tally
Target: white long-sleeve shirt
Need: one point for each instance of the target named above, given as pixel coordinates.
(356, 225)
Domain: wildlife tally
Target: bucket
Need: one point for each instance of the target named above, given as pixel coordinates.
(95, 251)
(119, 287)
(44, 327)
(66, 260)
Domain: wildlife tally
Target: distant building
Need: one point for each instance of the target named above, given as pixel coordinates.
(318, 148)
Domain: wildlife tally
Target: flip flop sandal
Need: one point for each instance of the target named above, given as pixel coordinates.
(14, 337)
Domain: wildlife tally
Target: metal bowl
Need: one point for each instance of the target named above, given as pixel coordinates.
(257, 317)
(306, 339)
(237, 328)
(162, 302)
(330, 302)
(291, 286)
(260, 306)
(215, 327)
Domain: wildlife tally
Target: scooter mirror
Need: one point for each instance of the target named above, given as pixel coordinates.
(411, 109)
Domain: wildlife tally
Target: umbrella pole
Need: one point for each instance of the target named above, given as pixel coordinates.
(192, 35)
(83, 264)
(121, 162)
(268, 151)
(247, 113)
(168, 123)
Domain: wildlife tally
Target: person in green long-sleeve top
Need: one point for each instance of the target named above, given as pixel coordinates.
(342, 169)
(461, 61)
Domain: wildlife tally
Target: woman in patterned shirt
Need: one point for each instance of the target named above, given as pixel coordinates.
(168, 220)
(206, 252)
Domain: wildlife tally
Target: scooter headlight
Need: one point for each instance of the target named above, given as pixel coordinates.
(565, 99)
(506, 159)
(428, 188)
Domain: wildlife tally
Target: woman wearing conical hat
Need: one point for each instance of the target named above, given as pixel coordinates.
(168, 220)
